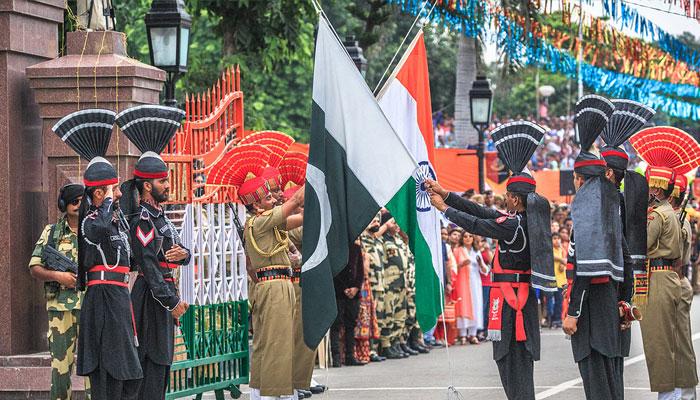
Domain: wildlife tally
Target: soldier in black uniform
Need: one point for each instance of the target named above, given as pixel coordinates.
(157, 248)
(107, 337)
(598, 258)
(628, 117)
(524, 259)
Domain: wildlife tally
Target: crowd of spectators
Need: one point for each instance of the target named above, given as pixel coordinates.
(558, 150)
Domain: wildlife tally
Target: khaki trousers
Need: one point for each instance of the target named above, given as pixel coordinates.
(273, 338)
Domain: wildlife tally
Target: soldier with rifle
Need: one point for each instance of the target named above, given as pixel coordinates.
(54, 262)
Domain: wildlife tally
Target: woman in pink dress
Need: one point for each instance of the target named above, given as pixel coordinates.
(461, 293)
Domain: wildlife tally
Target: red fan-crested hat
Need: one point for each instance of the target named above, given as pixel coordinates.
(669, 152)
(242, 167)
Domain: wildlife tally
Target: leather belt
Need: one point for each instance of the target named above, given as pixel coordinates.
(268, 274)
(510, 278)
(101, 275)
(296, 275)
(660, 262)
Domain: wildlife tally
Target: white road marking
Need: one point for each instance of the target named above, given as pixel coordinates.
(572, 383)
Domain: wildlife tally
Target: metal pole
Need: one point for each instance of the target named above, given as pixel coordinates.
(170, 100)
(580, 48)
(480, 157)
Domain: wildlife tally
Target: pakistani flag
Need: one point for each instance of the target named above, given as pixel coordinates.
(405, 100)
(357, 164)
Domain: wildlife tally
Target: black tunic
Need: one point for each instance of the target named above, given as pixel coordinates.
(514, 254)
(106, 338)
(154, 293)
(626, 288)
(595, 306)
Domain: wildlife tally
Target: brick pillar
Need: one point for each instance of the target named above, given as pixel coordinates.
(28, 35)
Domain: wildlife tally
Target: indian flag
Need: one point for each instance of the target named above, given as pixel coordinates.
(405, 100)
(357, 164)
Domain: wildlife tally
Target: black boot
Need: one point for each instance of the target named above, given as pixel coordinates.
(397, 348)
(408, 350)
(389, 353)
(352, 361)
(335, 361)
(415, 346)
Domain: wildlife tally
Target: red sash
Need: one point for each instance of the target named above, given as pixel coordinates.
(505, 291)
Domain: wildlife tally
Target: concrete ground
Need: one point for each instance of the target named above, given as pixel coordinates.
(474, 374)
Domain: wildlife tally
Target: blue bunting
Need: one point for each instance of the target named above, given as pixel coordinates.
(629, 18)
(471, 19)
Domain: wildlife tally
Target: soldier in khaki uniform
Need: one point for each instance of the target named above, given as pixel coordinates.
(267, 245)
(374, 249)
(685, 354)
(304, 357)
(395, 301)
(661, 325)
(62, 300)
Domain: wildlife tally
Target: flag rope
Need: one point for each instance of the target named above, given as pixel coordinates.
(404, 41)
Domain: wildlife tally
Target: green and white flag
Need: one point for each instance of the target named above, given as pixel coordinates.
(357, 164)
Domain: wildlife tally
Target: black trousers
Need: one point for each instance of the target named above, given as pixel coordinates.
(155, 379)
(601, 377)
(516, 371)
(104, 387)
(347, 319)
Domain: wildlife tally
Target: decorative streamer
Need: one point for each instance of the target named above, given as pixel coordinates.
(618, 52)
(646, 91)
(628, 17)
(460, 16)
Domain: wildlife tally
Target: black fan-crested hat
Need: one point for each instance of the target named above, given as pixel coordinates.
(88, 133)
(629, 117)
(150, 128)
(592, 115)
(516, 142)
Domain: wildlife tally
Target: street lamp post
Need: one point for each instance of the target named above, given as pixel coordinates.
(355, 51)
(480, 99)
(168, 27)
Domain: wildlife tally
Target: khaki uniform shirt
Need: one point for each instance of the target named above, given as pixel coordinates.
(686, 239)
(266, 241)
(663, 232)
(58, 297)
(296, 236)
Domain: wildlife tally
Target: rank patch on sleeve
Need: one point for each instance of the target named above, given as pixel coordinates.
(145, 238)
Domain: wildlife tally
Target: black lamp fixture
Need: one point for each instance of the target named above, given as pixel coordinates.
(168, 27)
(355, 51)
(480, 100)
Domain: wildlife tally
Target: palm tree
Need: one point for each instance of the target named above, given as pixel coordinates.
(465, 134)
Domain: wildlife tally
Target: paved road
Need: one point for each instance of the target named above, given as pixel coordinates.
(474, 374)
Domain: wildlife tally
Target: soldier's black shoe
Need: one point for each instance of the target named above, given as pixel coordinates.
(318, 389)
(397, 348)
(305, 393)
(408, 350)
(375, 358)
(419, 348)
(390, 353)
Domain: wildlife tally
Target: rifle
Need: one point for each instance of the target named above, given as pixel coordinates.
(683, 213)
(54, 259)
(237, 222)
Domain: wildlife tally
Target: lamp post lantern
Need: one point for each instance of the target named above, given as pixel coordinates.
(480, 100)
(168, 28)
(355, 51)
